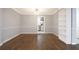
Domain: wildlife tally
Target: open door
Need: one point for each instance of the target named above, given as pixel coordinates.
(40, 24)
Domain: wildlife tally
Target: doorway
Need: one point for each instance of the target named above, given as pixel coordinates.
(40, 24)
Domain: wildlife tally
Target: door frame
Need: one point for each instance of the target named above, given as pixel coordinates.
(37, 24)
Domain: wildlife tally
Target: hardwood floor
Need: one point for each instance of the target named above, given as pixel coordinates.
(34, 42)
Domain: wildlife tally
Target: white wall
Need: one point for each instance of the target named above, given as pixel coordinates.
(64, 25)
(77, 24)
(68, 26)
(55, 24)
(29, 23)
(48, 23)
(0, 25)
(11, 24)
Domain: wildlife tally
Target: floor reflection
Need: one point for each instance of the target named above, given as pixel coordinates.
(40, 41)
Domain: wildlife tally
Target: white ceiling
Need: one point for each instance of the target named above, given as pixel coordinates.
(32, 11)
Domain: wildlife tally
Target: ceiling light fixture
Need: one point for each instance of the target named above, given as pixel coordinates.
(36, 11)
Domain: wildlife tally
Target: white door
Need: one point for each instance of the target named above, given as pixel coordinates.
(40, 24)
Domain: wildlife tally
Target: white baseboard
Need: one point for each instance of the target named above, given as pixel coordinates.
(29, 33)
(74, 43)
(65, 41)
(1, 44)
(8, 40)
(37, 33)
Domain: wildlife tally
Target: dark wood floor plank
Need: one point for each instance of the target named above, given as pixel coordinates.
(34, 42)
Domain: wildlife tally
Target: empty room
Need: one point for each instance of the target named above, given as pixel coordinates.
(38, 29)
